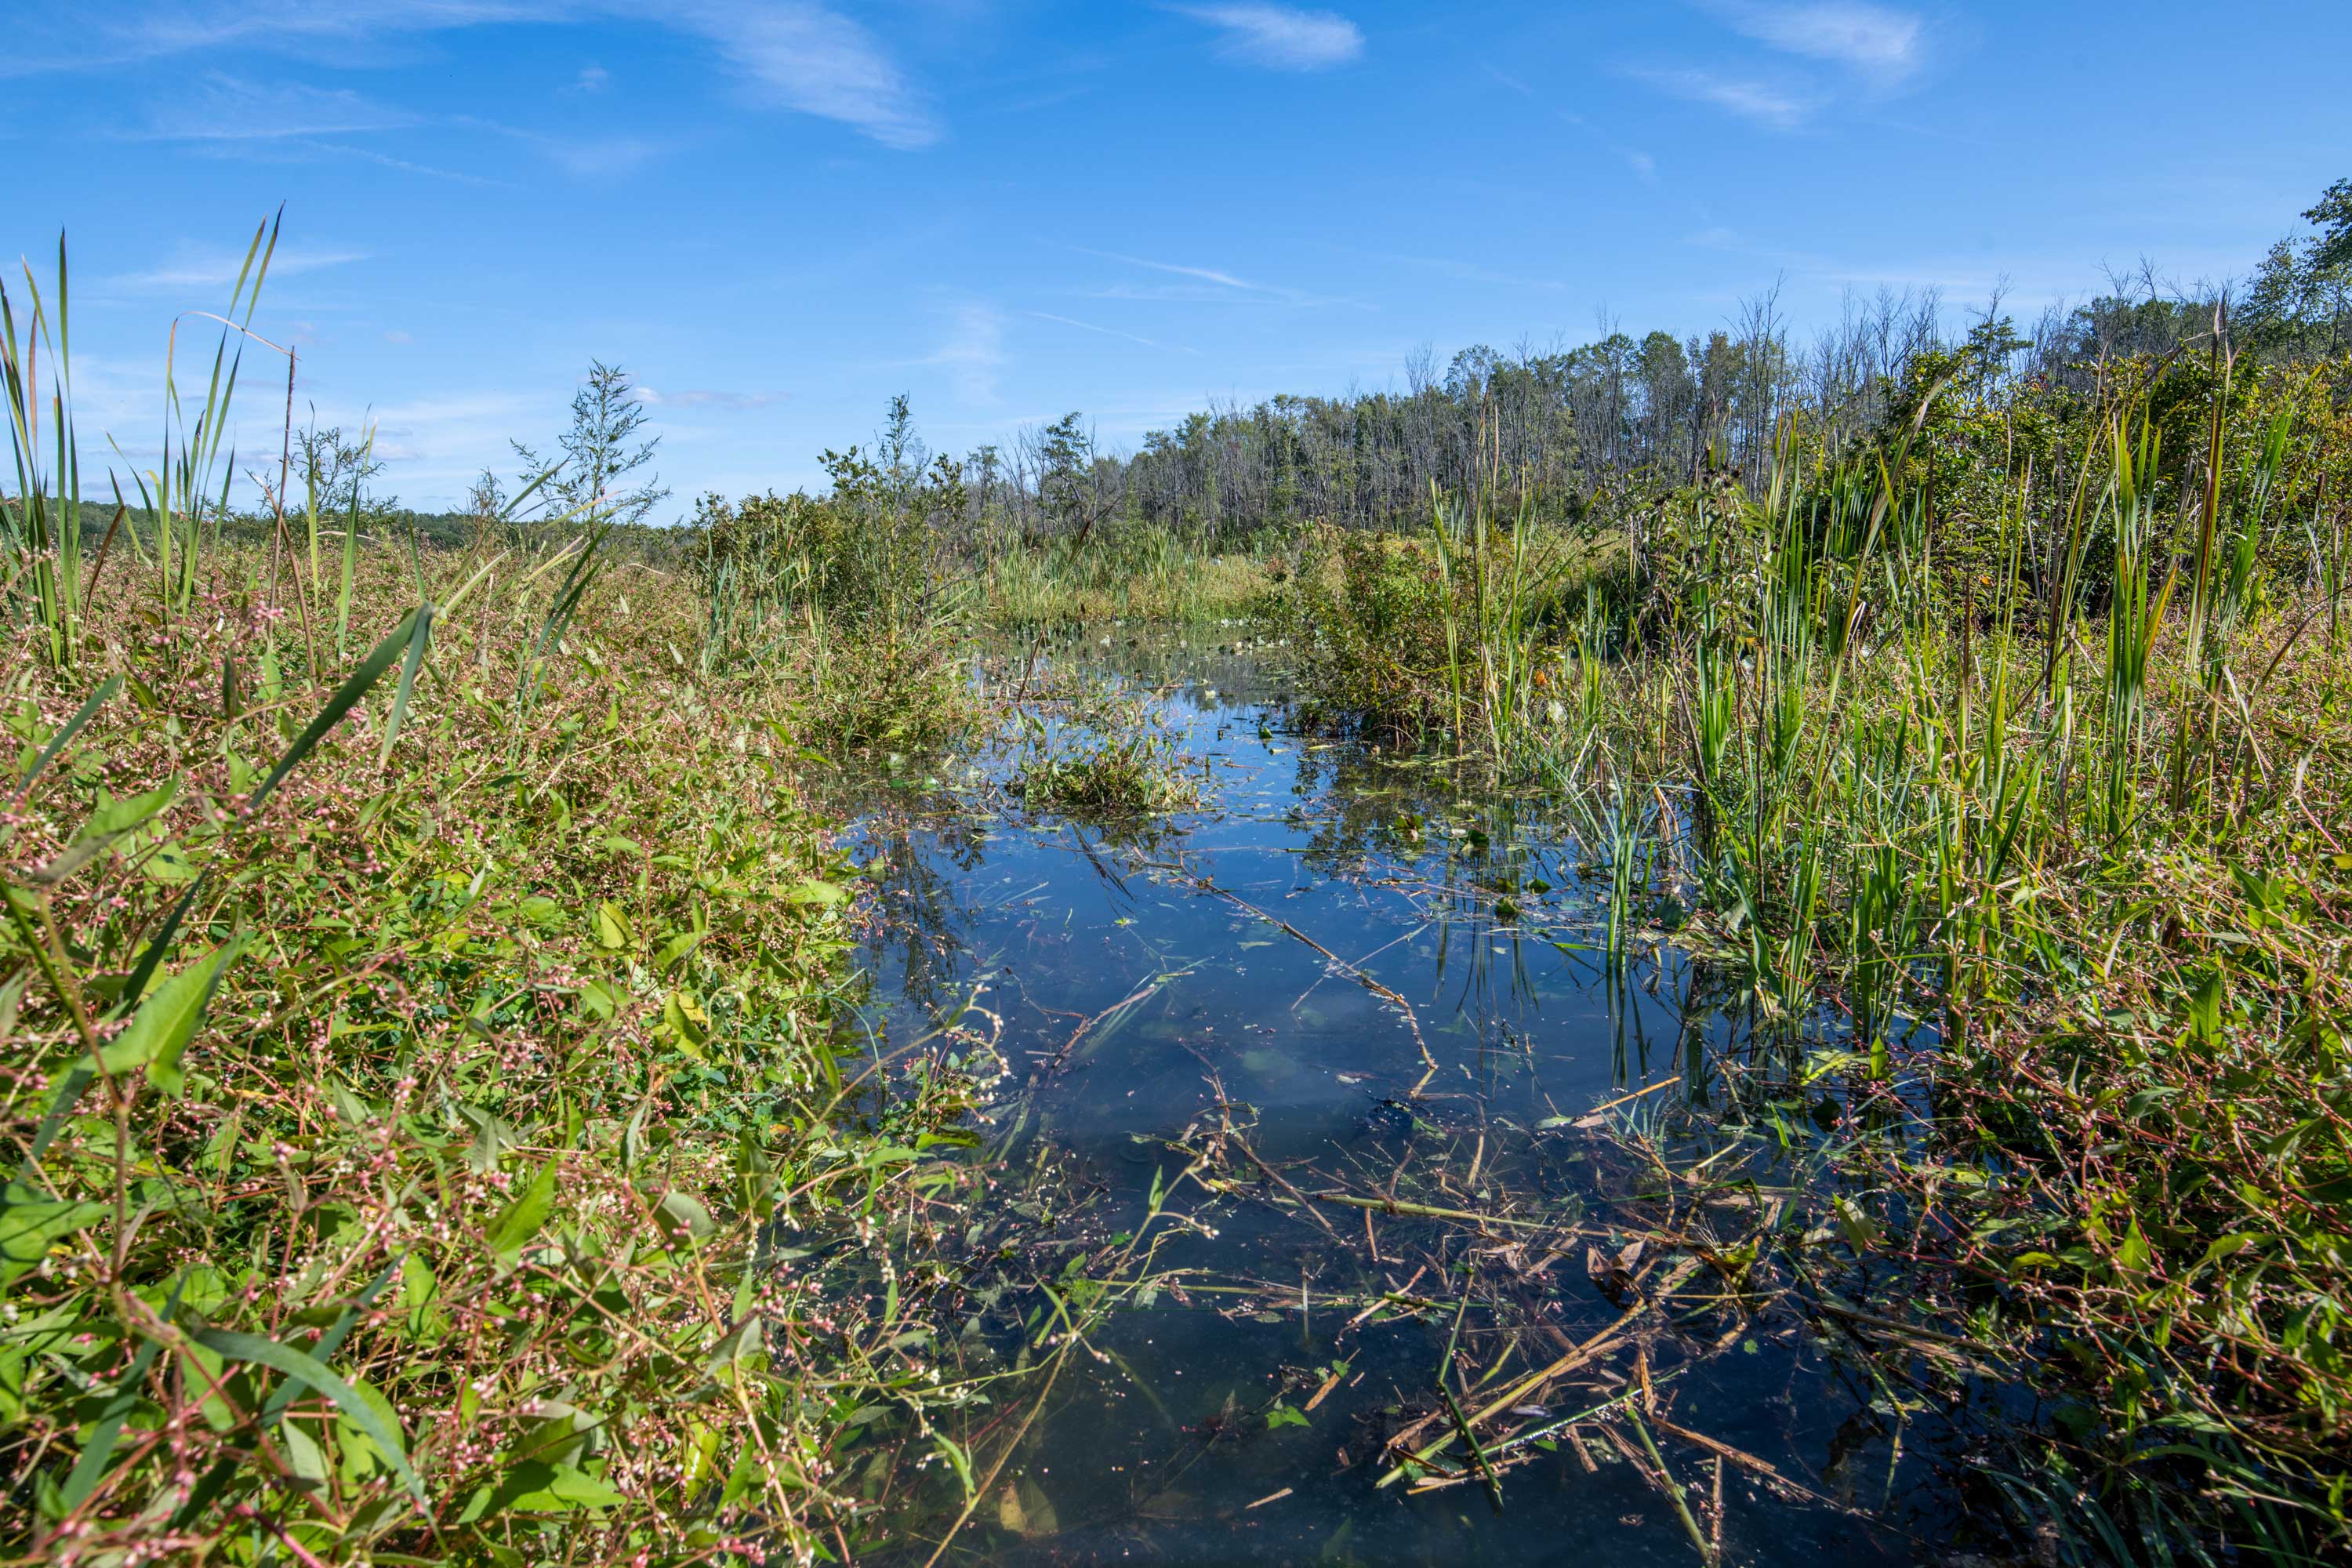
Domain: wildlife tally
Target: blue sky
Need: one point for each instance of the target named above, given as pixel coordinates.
(777, 213)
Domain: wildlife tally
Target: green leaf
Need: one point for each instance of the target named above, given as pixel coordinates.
(612, 927)
(682, 1013)
(168, 863)
(816, 892)
(160, 1031)
(28, 1225)
(681, 1216)
(537, 1487)
(88, 710)
(118, 817)
(106, 824)
(308, 1370)
(302, 1451)
(523, 1219)
(2132, 1256)
(420, 634)
(347, 696)
(2205, 1005)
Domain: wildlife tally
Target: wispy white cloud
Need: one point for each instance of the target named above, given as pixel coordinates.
(1206, 285)
(439, 440)
(231, 117)
(792, 54)
(974, 355)
(592, 79)
(588, 157)
(385, 160)
(698, 397)
(805, 57)
(225, 108)
(1205, 274)
(1109, 331)
(1282, 36)
(124, 32)
(1750, 99)
(1886, 45)
(192, 267)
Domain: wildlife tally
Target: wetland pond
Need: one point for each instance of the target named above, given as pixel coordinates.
(1423, 1155)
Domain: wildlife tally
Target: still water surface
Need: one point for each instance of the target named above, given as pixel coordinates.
(1159, 982)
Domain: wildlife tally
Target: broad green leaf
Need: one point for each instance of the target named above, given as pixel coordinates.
(537, 1487)
(682, 1216)
(117, 817)
(160, 1031)
(302, 1451)
(308, 1370)
(521, 1219)
(687, 1022)
(28, 1225)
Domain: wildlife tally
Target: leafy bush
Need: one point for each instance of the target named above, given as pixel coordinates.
(394, 1147)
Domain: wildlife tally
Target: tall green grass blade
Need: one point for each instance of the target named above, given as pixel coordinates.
(67, 731)
(346, 696)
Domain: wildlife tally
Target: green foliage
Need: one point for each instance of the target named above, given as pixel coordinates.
(1407, 637)
(601, 449)
(1111, 753)
(424, 1217)
(1127, 569)
(858, 592)
(415, 1051)
(2084, 895)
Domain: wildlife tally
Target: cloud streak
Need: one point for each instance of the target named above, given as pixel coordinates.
(797, 55)
(1109, 331)
(805, 57)
(219, 269)
(697, 397)
(1883, 45)
(1745, 97)
(225, 108)
(1281, 36)
(1205, 274)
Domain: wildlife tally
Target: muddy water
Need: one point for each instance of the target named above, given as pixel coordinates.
(1382, 979)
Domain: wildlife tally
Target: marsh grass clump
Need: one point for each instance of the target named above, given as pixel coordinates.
(1454, 632)
(1132, 570)
(909, 691)
(1108, 752)
(857, 596)
(1108, 775)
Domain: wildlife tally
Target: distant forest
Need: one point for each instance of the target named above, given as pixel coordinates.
(1559, 429)
(1656, 409)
